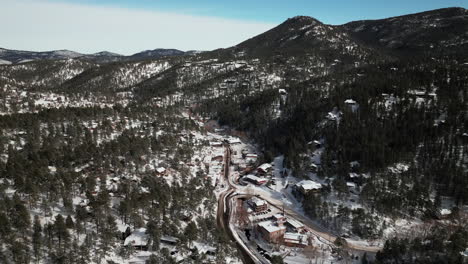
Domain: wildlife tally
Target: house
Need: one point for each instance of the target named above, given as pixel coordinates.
(161, 171)
(218, 158)
(279, 218)
(295, 225)
(258, 205)
(464, 256)
(264, 168)
(334, 115)
(314, 145)
(295, 240)
(234, 140)
(271, 232)
(306, 186)
(314, 168)
(138, 239)
(251, 157)
(351, 185)
(216, 144)
(353, 105)
(169, 240)
(254, 179)
(354, 164)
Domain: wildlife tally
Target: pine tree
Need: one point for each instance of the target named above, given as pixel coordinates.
(5, 226)
(191, 232)
(37, 238)
(69, 222)
(154, 232)
(60, 230)
(20, 217)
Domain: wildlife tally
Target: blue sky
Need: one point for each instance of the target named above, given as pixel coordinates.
(130, 26)
(275, 11)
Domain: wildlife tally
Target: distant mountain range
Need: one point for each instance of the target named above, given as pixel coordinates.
(437, 31)
(385, 99)
(19, 56)
(403, 35)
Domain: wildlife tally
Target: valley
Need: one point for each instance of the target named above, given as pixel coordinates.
(309, 143)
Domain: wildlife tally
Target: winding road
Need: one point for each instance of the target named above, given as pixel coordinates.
(224, 215)
(224, 212)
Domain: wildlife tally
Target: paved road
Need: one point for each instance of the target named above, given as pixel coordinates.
(224, 211)
(224, 215)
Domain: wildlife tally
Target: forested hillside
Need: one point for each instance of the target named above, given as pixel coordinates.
(94, 152)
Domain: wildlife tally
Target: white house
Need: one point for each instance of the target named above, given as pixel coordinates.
(138, 239)
(306, 186)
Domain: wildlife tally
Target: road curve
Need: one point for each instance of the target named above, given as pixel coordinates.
(223, 213)
(223, 216)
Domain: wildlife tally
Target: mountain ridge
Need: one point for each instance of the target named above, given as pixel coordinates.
(19, 56)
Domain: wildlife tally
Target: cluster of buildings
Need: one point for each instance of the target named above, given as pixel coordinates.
(278, 228)
(259, 176)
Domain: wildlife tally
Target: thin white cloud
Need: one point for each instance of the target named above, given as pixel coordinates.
(42, 25)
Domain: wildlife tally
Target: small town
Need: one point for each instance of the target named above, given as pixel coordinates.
(233, 132)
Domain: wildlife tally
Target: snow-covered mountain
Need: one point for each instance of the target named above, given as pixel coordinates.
(360, 131)
(19, 56)
(156, 53)
(429, 31)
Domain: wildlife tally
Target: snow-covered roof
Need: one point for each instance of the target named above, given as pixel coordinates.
(160, 170)
(257, 201)
(203, 248)
(351, 184)
(296, 238)
(254, 178)
(294, 223)
(271, 227)
(445, 211)
(234, 140)
(350, 101)
(216, 143)
(265, 166)
(278, 216)
(137, 238)
(308, 185)
(334, 115)
(282, 91)
(169, 239)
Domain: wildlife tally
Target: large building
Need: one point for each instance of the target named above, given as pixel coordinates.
(306, 186)
(295, 225)
(264, 169)
(295, 240)
(271, 231)
(258, 205)
(254, 179)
